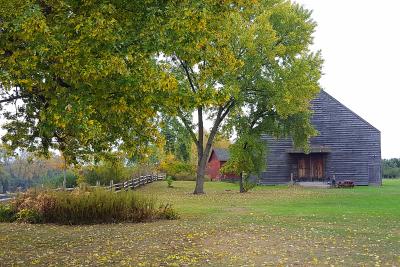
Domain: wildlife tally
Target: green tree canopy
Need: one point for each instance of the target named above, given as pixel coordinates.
(81, 75)
(176, 138)
(247, 157)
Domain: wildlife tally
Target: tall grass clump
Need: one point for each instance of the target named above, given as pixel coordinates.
(87, 207)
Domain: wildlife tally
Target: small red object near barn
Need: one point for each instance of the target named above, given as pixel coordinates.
(217, 159)
(346, 184)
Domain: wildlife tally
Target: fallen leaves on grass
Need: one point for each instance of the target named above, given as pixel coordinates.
(269, 226)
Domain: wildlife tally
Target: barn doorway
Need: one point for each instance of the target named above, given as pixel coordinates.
(311, 167)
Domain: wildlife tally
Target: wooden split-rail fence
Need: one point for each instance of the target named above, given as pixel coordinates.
(136, 182)
(6, 197)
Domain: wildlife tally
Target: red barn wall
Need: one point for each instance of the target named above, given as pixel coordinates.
(228, 175)
(213, 167)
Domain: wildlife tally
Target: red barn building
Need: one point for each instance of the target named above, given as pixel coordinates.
(217, 159)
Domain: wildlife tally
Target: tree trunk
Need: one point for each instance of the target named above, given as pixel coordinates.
(241, 183)
(199, 189)
(65, 174)
(242, 190)
(204, 153)
(4, 185)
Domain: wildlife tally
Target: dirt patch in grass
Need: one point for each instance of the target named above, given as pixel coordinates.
(238, 210)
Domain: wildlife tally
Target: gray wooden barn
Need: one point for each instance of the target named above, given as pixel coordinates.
(347, 148)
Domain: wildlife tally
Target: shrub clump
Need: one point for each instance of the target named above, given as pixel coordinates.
(6, 213)
(169, 181)
(167, 212)
(83, 207)
(29, 216)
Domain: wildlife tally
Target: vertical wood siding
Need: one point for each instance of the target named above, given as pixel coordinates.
(213, 167)
(355, 146)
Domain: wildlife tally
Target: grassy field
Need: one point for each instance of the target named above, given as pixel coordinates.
(276, 226)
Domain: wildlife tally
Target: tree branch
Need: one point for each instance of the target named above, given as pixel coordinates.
(228, 106)
(62, 83)
(59, 81)
(185, 68)
(193, 77)
(263, 113)
(187, 125)
(222, 113)
(200, 132)
(12, 98)
(256, 117)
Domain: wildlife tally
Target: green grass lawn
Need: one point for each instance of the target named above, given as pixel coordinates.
(268, 226)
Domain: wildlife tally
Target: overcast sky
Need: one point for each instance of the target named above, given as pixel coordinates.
(360, 42)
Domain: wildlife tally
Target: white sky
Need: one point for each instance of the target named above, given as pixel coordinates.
(360, 42)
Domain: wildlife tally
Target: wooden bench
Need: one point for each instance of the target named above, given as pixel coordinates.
(346, 184)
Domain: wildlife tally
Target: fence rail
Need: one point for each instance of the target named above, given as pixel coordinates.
(136, 182)
(6, 197)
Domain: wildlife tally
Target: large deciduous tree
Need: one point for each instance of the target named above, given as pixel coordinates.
(247, 59)
(80, 74)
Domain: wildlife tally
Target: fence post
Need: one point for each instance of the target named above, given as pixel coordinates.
(111, 185)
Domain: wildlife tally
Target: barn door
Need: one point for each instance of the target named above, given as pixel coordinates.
(374, 174)
(317, 167)
(302, 167)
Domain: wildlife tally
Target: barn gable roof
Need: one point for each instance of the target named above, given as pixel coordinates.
(348, 109)
(222, 154)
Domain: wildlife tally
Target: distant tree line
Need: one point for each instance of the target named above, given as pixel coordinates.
(176, 156)
(391, 168)
(24, 170)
